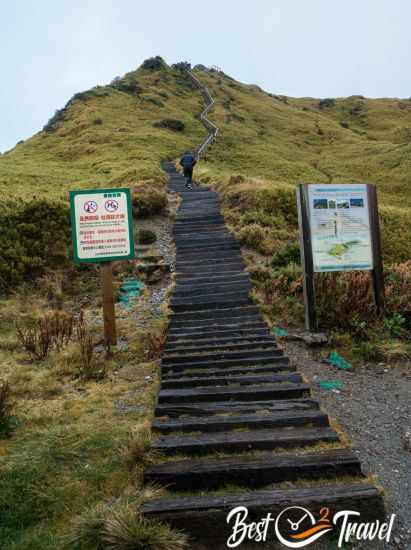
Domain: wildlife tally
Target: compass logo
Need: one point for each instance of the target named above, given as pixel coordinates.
(296, 527)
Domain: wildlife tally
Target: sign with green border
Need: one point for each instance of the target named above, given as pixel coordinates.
(101, 225)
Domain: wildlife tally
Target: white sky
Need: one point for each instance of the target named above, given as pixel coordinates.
(51, 49)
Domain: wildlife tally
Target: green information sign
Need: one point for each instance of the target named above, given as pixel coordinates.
(102, 225)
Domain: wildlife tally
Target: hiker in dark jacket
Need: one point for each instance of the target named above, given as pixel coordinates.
(188, 161)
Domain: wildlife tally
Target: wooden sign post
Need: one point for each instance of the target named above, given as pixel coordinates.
(339, 231)
(109, 315)
(102, 231)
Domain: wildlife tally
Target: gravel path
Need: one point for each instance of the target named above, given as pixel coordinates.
(373, 408)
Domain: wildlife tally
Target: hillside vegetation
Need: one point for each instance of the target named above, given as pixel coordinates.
(115, 135)
(118, 134)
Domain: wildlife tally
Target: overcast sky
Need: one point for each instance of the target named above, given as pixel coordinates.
(51, 49)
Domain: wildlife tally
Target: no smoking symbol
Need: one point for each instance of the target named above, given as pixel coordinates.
(90, 207)
(111, 205)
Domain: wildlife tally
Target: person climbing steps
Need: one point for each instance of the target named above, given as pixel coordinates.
(188, 162)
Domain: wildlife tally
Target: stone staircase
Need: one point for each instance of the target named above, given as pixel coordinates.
(235, 421)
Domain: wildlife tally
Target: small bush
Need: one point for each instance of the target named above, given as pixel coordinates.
(155, 343)
(170, 124)
(182, 66)
(135, 450)
(344, 124)
(129, 86)
(289, 254)
(154, 63)
(54, 330)
(148, 201)
(252, 235)
(145, 236)
(98, 121)
(121, 527)
(327, 102)
(33, 236)
(89, 368)
(395, 325)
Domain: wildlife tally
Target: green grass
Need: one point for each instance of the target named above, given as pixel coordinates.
(67, 450)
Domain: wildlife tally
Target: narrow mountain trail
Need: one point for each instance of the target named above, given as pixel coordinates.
(236, 424)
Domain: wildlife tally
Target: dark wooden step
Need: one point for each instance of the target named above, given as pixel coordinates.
(248, 393)
(199, 290)
(235, 371)
(255, 472)
(204, 325)
(189, 344)
(254, 421)
(237, 407)
(225, 313)
(204, 517)
(224, 363)
(243, 355)
(250, 440)
(222, 331)
(223, 380)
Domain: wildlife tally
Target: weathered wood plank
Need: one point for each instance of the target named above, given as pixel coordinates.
(223, 363)
(253, 471)
(193, 381)
(249, 393)
(252, 421)
(243, 440)
(206, 409)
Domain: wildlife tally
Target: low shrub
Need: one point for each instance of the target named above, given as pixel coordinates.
(290, 253)
(154, 63)
(183, 66)
(148, 201)
(90, 369)
(327, 102)
(252, 235)
(122, 527)
(54, 330)
(145, 236)
(33, 236)
(170, 124)
(129, 86)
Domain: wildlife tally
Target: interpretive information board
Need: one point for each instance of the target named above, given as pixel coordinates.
(101, 222)
(340, 227)
(339, 231)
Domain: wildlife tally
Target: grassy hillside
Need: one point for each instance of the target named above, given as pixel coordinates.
(117, 135)
(107, 136)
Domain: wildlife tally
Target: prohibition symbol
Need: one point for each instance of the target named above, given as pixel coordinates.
(90, 207)
(111, 205)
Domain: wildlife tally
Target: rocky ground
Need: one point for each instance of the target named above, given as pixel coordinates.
(373, 407)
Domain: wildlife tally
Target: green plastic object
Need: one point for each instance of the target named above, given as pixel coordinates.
(130, 290)
(280, 332)
(330, 384)
(335, 359)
